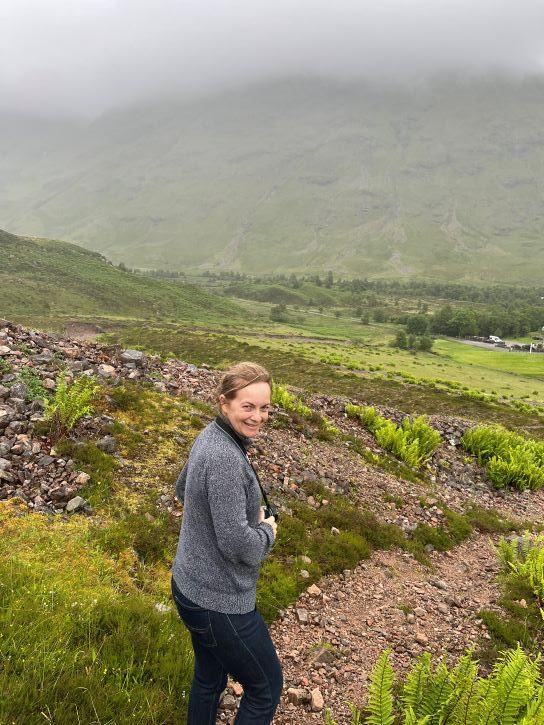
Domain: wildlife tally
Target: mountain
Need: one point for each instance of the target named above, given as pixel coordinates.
(440, 182)
(47, 277)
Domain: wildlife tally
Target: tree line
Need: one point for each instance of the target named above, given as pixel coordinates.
(511, 321)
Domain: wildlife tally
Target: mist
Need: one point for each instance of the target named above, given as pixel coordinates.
(82, 57)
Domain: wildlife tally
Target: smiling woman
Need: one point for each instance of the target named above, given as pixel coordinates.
(224, 539)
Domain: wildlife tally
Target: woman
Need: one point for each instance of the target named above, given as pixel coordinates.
(224, 538)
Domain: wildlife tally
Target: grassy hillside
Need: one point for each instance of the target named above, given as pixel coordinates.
(441, 183)
(45, 278)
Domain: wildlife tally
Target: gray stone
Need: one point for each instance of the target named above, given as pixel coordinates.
(228, 702)
(108, 444)
(18, 404)
(323, 655)
(43, 357)
(133, 356)
(302, 615)
(422, 639)
(106, 371)
(316, 700)
(76, 503)
(297, 696)
(19, 390)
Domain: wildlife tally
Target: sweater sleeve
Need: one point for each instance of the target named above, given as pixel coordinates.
(238, 541)
(180, 484)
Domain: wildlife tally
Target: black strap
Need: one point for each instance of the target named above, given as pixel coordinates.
(229, 430)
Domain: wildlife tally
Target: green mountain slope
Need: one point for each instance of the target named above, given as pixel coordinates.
(445, 182)
(46, 277)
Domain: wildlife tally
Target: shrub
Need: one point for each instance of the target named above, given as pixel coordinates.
(70, 403)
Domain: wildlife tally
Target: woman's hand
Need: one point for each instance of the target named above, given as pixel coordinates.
(271, 521)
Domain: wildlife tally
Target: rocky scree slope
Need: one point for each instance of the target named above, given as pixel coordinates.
(329, 639)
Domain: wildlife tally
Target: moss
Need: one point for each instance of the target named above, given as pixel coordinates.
(391, 498)
(489, 521)
(99, 465)
(506, 630)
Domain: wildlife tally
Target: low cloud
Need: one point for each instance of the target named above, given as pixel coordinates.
(83, 56)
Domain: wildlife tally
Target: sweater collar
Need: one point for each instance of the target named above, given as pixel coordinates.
(240, 440)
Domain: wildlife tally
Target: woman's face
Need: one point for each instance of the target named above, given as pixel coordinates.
(248, 410)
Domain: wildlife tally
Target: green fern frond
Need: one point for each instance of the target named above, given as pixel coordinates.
(411, 718)
(416, 681)
(70, 402)
(380, 701)
(512, 687)
(356, 714)
(535, 712)
(462, 679)
(436, 694)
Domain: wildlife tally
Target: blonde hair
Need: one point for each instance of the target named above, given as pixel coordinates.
(241, 375)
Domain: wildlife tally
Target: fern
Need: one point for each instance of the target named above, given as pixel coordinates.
(411, 719)
(462, 680)
(416, 682)
(510, 459)
(535, 712)
(70, 403)
(282, 398)
(525, 558)
(380, 701)
(414, 441)
(436, 694)
(512, 695)
(512, 687)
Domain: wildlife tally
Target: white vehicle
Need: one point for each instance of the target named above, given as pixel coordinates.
(494, 338)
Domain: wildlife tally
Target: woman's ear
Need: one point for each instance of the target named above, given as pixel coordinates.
(222, 401)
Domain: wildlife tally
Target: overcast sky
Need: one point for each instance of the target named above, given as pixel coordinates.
(87, 55)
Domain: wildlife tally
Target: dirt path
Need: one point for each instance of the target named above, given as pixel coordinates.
(390, 601)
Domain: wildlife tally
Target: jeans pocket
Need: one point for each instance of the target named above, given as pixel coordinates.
(196, 619)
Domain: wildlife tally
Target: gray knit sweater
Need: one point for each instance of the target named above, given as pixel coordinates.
(221, 544)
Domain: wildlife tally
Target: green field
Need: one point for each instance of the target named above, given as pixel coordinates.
(518, 363)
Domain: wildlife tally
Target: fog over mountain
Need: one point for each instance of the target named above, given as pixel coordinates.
(85, 56)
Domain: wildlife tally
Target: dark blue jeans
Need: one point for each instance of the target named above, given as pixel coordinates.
(238, 644)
